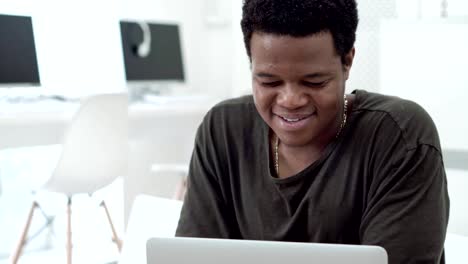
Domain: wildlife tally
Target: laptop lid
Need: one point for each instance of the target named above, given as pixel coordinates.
(214, 251)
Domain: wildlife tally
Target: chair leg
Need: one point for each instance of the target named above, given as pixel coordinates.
(69, 233)
(180, 189)
(115, 238)
(24, 234)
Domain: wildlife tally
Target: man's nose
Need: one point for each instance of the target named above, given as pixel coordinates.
(292, 97)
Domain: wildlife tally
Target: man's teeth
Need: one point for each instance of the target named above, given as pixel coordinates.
(291, 120)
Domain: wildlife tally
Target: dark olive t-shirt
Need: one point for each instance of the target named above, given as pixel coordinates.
(381, 182)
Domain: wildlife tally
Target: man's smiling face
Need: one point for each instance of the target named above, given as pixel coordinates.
(298, 85)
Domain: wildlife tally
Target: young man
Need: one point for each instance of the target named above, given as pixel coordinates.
(301, 161)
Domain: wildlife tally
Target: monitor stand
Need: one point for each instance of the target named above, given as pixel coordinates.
(138, 92)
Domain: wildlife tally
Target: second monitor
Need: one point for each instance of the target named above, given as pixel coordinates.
(18, 61)
(152, 54)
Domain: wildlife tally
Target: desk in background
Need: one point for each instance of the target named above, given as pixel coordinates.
(161, 132)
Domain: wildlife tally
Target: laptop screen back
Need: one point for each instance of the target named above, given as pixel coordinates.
(215, 251)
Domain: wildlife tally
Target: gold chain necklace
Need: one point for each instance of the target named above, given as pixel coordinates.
(343, 123)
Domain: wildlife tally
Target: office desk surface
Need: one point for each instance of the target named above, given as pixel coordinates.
(150, 217)
(33, 124)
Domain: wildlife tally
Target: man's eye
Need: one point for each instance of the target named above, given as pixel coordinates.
(315, 84)
(271, 84)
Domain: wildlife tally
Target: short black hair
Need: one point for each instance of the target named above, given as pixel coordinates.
(301, 18)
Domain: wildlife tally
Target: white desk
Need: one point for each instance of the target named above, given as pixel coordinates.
(152, 127)
(160, 135)
(34, 124)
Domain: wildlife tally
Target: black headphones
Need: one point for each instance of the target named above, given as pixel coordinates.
(144, 48)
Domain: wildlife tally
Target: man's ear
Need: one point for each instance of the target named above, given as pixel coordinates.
(348, 62)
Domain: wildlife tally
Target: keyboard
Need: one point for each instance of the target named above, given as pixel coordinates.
(34, 98)
(24, 105)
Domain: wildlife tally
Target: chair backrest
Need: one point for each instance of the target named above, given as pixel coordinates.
(95, 149)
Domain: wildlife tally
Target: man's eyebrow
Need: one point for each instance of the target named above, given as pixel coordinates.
(316, 75)
(309, 76)
(265, 75)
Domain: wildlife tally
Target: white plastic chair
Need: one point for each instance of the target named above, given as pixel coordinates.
(160, 154)
(179, 169)
(95, 152)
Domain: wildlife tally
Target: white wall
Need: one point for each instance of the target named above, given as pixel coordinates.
(365, 71)
(79, 46)
(77, 43)
(425, 61)
(430, 8)
(241, 75)
(219, 46)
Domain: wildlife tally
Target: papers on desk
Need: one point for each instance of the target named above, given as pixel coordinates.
(41, 106)
(30, 124)
(159, 99)
(150, 217)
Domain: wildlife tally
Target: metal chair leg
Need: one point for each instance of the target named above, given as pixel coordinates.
(69, 232)
(115, 238)
(180, 189)
(24, 234)
(23, 239)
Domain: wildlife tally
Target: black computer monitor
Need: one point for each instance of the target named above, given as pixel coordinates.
(18, 61)
(161, 64)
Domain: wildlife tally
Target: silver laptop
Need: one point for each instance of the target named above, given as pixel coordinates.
(215, 251)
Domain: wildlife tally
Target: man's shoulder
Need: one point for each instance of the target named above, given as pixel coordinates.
(245, 102)
(233, 109)
(232, 114)
(393, 105)
(413, 121)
